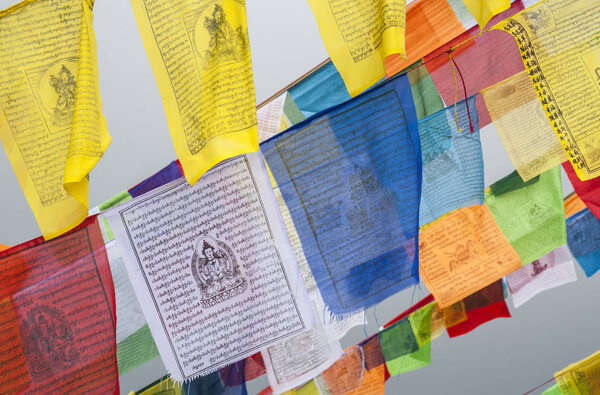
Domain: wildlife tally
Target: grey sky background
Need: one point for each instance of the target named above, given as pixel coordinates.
(506, 356)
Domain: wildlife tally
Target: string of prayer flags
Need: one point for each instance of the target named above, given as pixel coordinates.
(583, 234)
(452, 162)
(51, 123)
(588, 191)
(346, 373)
(58, 315)
(580, 378)
(481, 307)
(397, 341)
(351, 179)
(550, 271)
(426, 98)
(200, 55)
(531, 214)
(320, 90)
(573, 205)
(462, 253)
(429, 24)
(212, 384)
(523, 127)
(480, 61)
(359, 36)
(216, 263)
(270, 119)
(564, 73)
(484, 10)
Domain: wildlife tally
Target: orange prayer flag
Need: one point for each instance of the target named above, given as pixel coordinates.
(573, 205)
(429, 24)
(463, 253)
(4, 247)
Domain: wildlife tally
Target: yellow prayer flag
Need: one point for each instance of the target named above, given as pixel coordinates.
(522, 126)
(580, 378)
(51, 123)
(200, 54)
(484, 10)
(165, 387)
(358, 35)
(559, 46)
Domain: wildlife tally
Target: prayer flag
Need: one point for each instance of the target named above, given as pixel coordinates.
(588, 191)
(483, 306)
(583, 234)
(559, 49)
(462, 253)
(51, 123)
(484, 10)
(523, 127)
(58, 315)
(580, 378)
(481, 61)
(359, 35)
(531, 214)
(200, 54)
(452, 162)
(351, 178)
(429, 24)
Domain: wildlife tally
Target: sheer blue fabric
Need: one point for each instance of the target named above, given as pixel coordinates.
(583, 238)
(452, 162)
(167, 174)
(320, 90)
(351, 179)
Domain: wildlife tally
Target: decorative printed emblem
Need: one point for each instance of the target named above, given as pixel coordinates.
(220, 36)
(48, 342)
(216, 271)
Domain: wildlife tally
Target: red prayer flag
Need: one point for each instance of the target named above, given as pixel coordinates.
(588, 191)
(483, 61)
(57, 315)
(481, 307)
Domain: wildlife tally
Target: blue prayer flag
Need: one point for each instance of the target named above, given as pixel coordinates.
(320, 90)
(452, 162)
(583, 238)
(351, 179)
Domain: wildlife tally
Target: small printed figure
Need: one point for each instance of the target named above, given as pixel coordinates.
(216, 271)
(48, 342)
(65, 86)
(537, 267)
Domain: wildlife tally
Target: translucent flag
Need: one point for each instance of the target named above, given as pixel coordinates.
(452, 162)
(346, 373)
(57, 310)
(583, 234)
(558, 44)
(429, 24)
(483, 60)
(200, 55)
(588, 191)
(269, 117)
(580, 378)
(51, 123)
(554, 269)
(523, 127)
(483, 306)
(321, 89)
(359, 35)
(531, 214)
(573, 205)
(462, 253)
(426, 97)
(350, 178)
(484, 10)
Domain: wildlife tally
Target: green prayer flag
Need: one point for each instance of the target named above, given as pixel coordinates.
(136, 349)
(554, 390)
(113, 201)
(407, 347)
(530, 214)
(425, 95)
(291, 110)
